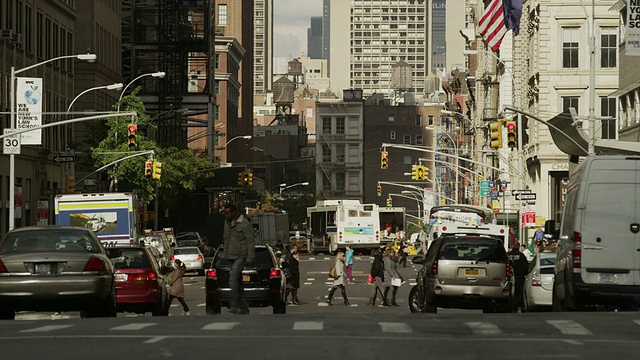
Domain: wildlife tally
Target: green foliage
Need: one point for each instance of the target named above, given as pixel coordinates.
(295, 207)
(179, 166)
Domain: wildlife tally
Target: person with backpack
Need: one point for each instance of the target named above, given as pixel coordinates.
(339, 279)
(377, 273)
(292, 269)
(520, 270)
(177, 287)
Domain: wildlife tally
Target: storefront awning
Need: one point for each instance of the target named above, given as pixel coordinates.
(626, 89)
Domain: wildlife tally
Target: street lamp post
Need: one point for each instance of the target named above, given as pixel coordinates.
(282, 188)
(455, 147)
(116, 86)
(247, 137)
(159, 74)
(12, 95)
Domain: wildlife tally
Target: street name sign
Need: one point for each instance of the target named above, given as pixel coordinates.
(65, 158)
(11, 143)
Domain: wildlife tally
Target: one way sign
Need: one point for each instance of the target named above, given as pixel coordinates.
(525, 196)
(63, 159)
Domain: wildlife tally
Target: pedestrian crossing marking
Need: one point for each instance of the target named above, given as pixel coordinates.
(569, 327)
(307, 283)
(156, 339)
(312, 258)
(133, 326)
(308, 325)
(395, 327)
(327, 258)
(220, 326)
(484, 328)
(46, 328)
(637, 321)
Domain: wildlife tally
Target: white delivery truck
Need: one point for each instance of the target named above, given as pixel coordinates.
(113, 217)
(499, 231)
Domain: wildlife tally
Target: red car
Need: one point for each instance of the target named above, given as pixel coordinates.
(140, 286)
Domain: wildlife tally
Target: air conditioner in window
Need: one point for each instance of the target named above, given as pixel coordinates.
(6, 34)
(17, 39)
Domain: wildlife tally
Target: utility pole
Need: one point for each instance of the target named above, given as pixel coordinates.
(592, 82)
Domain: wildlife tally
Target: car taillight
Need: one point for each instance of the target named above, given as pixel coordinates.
(172, 258)
(3, 269)
(509, 271)
(482, 221)
(200, 257)
(142, 277)
(434, 268)
(535, 279)
(576, 252)
(212, 273)
(274, 273)
(95, 265)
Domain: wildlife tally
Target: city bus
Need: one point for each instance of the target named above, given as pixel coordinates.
(462, 214)
(334, 224)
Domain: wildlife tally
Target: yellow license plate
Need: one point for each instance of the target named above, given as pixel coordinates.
(471, 272)
(246, 277)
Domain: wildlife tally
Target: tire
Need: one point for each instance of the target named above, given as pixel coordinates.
(415, 305)
(7, 314)
(212, 307)
(106, 308)
(280, 307)
(159, 309)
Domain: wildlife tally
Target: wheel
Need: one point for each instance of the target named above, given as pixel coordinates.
(212, 307)
(415, 305)
(7, 314)
(280, 307)
(159, 309)
(106, 308)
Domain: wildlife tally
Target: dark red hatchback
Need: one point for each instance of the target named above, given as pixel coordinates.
(140, 286)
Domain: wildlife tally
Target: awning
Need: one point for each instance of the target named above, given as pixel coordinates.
(634, 85)
(566, 137)
(615, 147)
(619, 5)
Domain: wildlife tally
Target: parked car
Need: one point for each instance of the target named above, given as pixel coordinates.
(158, 241)
(190, 256)
(538, 284)
(55, 268)
(140, 287)
(262, 280)
(463, 271)
(194, 239)
(599, 245)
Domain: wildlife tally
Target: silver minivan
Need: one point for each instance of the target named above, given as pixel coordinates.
(598, 259)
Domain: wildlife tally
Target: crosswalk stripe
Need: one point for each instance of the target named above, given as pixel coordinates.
(311, 279)
(133, 326)
(569, 327)
(327, 258)
(46, 328)
(484, 328)
(395, 327)
(220, 326)
(637, 321)
(308, 325)
(312, 258)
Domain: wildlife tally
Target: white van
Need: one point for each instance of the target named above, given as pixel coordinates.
(598, 259)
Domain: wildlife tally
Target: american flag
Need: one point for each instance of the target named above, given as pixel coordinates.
(493, 25)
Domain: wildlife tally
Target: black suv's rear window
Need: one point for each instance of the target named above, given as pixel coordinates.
(263, 257)
(473, 249)
(128, 258)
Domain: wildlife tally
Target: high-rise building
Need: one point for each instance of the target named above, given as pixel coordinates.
(263, 50)
(314, 38)
(326, 33)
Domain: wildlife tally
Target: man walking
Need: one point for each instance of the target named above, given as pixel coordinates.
(520, 269)
(239, 247)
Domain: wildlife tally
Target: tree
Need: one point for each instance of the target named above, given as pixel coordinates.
(180, 167)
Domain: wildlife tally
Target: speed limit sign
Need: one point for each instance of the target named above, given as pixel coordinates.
(11, 143)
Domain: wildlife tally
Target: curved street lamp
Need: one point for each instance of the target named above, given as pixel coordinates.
(247, 137)
(116, 86)
(159, 74)
(282, 188)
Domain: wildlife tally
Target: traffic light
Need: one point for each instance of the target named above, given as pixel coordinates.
(495, 130)
(259, 203)
(250, 180)
(422, 172)
(389, 202)
(69, 184)
(241, 178)
(247, 179)
(157, 170)
(133, 136)
(148, 169)
(512, 135)
(379, 190)
(414, 172)
(384, 160)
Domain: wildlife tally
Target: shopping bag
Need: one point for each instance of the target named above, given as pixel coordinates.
(370, 279)
(396, 282)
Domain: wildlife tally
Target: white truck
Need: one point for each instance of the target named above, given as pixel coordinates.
(500, 231)
(271, 228)
(113, 217)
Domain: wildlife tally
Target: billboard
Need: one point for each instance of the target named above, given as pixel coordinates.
(29, 109)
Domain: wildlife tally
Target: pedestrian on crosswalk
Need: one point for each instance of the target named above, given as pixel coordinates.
(377, 273)
(391, 276)
(349, 263)
(177, 287)
(292, 269)
(340, 281)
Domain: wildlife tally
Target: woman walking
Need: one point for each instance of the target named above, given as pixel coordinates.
(377, 273)
(177, 287)
(340, 281)
(349, 263)
(390, 273)
(293, 272)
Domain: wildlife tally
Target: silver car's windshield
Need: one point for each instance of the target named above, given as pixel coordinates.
(54, 240)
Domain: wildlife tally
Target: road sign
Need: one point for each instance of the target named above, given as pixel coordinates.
(492, 185)
(484, 187)
(525, 196)
(503, 185)
(516, 192)
(528, 215)
(63, 159)
(11, 143)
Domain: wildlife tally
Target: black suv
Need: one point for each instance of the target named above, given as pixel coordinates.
(467, 272)
(262, 279)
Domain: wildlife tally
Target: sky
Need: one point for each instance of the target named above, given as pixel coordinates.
(292, 19)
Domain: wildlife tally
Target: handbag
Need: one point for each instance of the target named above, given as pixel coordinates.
(370, 279)
(396, 282)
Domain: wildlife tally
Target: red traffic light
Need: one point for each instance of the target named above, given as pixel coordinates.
(511, 125)
(133, 128)
(148, 164)
(384, 154)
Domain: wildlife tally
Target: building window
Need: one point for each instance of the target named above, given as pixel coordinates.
(216, 115)
(340, 181)
(608, 47)
(326, 183)
(407, 160)
(570, 47)
(391, 118)
(418, 119)
(326, 154)
(430, 120)
(392, 136)
(326, 125)
(340, 125)
(340, 153)
(217, 61)
(222, 15)
(217, 85)
(406, 139)
(570, 102)
(309, 112)
(608, 109)
(419, 140)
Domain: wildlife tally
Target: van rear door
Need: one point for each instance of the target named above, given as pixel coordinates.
(608, 252)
